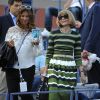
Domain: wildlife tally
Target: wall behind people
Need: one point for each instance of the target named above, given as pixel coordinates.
(3, 2)
(47, 3)
(2, 9)
(39, 3)
(29, 2)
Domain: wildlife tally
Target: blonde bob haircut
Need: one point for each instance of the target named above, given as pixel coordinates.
(70, 17)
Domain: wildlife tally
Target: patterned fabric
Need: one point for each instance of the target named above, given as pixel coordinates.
(28, 51)
(63, 58)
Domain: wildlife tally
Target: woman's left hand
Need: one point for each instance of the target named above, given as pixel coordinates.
(78, 24)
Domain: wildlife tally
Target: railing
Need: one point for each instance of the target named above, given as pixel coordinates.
(73, 93)
(82, 91)
(5, 95)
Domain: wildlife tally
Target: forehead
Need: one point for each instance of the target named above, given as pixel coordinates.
(62, 13)
(24, 12)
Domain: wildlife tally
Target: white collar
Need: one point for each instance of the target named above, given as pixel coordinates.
(12, 15)
(91, 5)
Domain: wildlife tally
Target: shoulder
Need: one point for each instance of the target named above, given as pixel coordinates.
(13, 29)
(75, 34)
(2, 18)
(5, 18)
(96, 9)
(55, 32)
(97, 6)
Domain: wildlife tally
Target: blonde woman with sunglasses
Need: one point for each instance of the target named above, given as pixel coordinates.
(63, 56)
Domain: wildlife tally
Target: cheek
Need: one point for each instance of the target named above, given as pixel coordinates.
(59, 23)
(24, 18)
(26, 21)
(69, 22)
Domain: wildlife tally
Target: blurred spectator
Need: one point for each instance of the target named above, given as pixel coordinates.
(40, 64)
(75, 6)
(39, 71)
(39, 61)
(45, 36)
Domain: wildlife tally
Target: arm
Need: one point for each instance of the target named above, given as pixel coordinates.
(77, 50)
(40, 65)
(9, 39)
(67, 4)
(50, 50)
(43, 72)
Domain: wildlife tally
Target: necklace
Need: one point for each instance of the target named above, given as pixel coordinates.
(66, 31)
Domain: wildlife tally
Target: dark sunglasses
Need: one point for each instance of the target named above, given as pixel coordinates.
(64, 16)
(26, 7)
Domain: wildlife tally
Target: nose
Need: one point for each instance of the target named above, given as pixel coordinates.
(24, 18)
(62, 17)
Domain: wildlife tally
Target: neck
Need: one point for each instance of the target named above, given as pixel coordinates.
(65, 29)
(90, 1)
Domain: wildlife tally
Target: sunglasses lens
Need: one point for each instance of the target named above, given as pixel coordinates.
(26, 7)
(64, 16)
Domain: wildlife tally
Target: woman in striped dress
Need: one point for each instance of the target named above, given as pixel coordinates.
(63, 56)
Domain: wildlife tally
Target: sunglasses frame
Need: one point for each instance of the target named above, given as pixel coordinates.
(26, 7)
(63, 16)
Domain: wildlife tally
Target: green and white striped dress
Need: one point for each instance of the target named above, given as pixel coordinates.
(63, 58)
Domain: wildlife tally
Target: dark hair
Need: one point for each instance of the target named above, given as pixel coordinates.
(11, 2)
(31, 18)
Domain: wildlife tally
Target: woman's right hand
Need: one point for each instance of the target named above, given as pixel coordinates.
(35, 42)
(10, 43)
(78, 24)
(85, 54)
